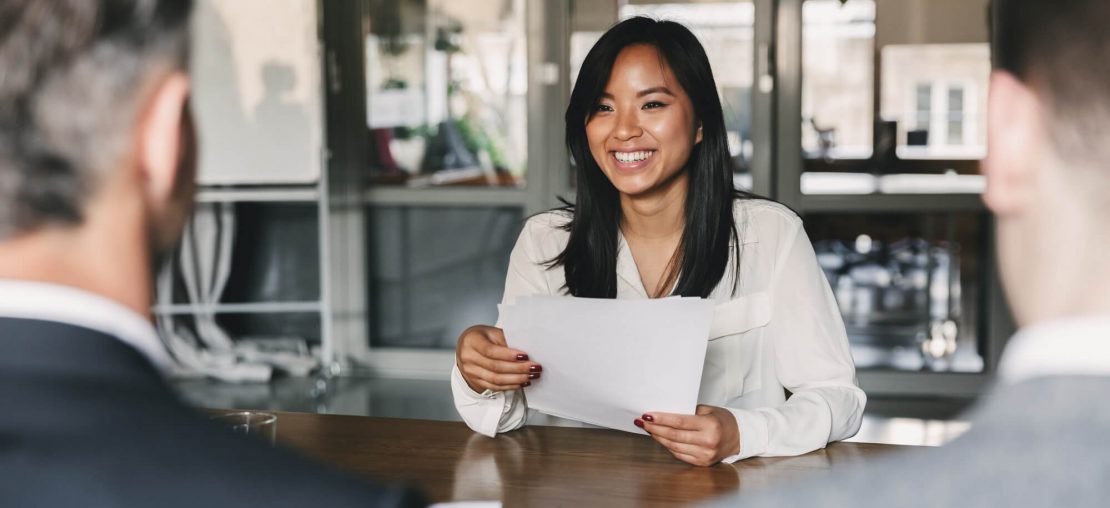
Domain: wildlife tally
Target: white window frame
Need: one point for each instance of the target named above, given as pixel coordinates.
(939, 113)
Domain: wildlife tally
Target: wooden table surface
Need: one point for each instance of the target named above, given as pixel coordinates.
(538, 466)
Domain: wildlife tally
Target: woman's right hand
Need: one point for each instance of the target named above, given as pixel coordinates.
(488, 363)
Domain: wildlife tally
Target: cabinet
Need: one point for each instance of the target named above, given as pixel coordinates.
(883, 167)
(256, 260)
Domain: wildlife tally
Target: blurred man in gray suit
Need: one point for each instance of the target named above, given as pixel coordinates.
(1042, 436)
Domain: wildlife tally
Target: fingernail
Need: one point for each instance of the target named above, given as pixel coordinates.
(534, 375)
(521, 357)
(648, 417)
(639, 423)
(526, 383)
(535, 368)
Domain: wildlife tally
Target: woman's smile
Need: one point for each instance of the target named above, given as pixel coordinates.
(632, 160)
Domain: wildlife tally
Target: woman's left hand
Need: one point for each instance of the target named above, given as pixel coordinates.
(701, 439)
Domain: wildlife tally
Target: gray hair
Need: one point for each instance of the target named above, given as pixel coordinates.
(70, 74)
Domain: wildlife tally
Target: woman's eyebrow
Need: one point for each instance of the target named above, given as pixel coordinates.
(655, 89)
(641, 93)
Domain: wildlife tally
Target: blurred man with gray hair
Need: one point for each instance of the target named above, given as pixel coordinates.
(96, 181)
(1040, 437)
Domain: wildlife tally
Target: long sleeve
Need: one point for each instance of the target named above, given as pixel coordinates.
(812, 360)
(490, 413)
(487, 413)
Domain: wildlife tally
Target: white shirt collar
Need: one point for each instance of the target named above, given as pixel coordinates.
(626, 267)
(1072, 346)
(69, 305)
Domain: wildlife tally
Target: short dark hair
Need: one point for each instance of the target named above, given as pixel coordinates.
(1061, 49)
(69, 77)
(709, 235)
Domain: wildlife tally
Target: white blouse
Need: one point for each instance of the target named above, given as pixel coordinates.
(781, 331)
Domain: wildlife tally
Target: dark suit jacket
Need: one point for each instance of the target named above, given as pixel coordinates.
(85, 420)
(1041, 442)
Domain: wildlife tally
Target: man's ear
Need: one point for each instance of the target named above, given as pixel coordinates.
(161, 143)
(1015, 140)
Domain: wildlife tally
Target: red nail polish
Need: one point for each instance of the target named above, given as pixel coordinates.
(648, 417)
(525, 384)
(639, 423)
(535, 368)
(534, 375)
(521, 357)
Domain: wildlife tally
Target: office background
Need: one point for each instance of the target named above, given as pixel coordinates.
(367, 164)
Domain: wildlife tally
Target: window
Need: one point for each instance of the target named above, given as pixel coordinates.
(446, 86)
(956, 115)
(837, 91)
(890, 140)
(934, 92)
(884, 83)
(436, 271)
(924, 107)
(940, 121)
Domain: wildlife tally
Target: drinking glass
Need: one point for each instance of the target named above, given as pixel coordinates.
(259, 425)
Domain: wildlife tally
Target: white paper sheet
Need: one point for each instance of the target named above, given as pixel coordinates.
(607, 361)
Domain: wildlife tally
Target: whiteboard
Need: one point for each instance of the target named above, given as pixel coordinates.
(257, 91)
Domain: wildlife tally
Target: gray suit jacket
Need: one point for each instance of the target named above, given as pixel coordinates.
(1042, 442)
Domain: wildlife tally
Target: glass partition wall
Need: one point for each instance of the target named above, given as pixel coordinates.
(909, 285)
(865, 116)
(446, 87)
(455, 94)
(464, 140)
(883, 165)
(893, 95)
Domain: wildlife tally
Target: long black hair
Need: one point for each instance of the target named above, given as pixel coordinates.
(590, 258)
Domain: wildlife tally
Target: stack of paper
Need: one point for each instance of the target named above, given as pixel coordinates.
(605, 361)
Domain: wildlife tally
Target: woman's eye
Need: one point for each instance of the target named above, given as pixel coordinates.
(603, 108)
(654, 105)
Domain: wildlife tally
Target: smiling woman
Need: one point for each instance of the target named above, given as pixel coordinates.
(638, 118)
(641, 134)
(656, 214)
(646, 86)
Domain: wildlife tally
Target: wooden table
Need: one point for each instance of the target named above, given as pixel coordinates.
(538, 466)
